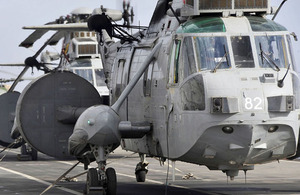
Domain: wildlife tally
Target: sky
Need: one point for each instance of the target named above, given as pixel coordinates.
(15, 14)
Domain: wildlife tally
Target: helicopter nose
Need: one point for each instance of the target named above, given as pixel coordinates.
(78, 142)
(98, 125)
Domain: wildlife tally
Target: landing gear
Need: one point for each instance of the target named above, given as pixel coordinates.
(111, 181)
(101, 181)
(141, 169)
(92, 181)
(27, 153)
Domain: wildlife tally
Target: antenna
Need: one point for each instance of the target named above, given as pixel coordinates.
(173, 11)
(278, 9)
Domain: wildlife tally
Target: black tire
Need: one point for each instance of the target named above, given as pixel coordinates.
(141, 176)
(91, 180)
(34, 154)
(111, 183)
(24, 150)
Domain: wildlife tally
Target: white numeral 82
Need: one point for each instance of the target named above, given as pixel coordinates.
(253, 103)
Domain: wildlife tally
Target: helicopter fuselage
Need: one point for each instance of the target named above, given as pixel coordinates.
(213, 95)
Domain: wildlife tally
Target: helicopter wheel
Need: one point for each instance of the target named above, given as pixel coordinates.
(140, 176)
(28, 153)
(92, 181)
(111, 182)
(34, 154)
(141, 170)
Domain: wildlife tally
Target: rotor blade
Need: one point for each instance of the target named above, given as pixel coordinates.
(18, 79)
(21, 64)
(10, 73)
(6, 80)
(57, 38)
(37, 34)
(133, 27)
(45, 45)
(35, 56)
(61, 27)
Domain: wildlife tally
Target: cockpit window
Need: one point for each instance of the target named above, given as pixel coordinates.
(174, 62)
(100, 77)
(288, 38)
(242, 51)
(188, 57)
(86, 74)
(81, 63)
(271, 51)
(212, 53)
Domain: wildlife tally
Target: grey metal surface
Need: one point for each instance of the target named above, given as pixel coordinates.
(8, 102)
(37, 110)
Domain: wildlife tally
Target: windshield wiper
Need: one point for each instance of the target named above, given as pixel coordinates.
(221, 60)
(265, 56)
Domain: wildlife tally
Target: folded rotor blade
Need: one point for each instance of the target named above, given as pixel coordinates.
(18, 79)
(31, 61)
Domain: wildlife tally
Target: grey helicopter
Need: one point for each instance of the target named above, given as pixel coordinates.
(212, 83)
(79, 54)
(45, 112)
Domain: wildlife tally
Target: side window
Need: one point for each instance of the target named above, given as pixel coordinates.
(292, 54)
(189, 63)
(148, 80)
(174, 62)
(242, 52)
(119, 76)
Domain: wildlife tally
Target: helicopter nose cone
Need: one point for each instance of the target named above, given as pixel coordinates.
(78, 142)
(98, 125)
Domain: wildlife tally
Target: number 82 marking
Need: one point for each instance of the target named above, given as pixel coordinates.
(253, 103)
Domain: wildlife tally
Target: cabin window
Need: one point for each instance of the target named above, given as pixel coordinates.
(212, 53)
(174, 62)
(100, 77)
(190, 2)
(189, 63)
(242, 52)
(271, 51)
(119, 78)
(148, 80)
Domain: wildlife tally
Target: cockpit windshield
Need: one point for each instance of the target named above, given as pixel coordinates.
(271, 51)
(86, 74)
(212, 53)
(242, 51)
(81, 63)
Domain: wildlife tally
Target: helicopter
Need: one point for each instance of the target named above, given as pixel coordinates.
(8, 100)
(212, 83)
(79, 55)
(61, 90)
